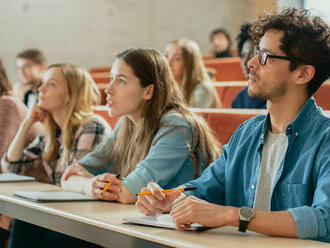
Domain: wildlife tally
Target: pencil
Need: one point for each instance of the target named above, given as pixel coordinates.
(168, 190)
(108, 185)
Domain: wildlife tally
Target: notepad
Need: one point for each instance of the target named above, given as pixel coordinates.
(164, 221)
(12, 177)
(54, 196)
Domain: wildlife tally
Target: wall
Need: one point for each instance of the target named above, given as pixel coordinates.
(89, 33)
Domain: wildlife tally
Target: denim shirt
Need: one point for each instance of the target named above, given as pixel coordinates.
(168, 162)
(302, 183)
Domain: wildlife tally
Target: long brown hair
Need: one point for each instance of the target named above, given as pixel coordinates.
(194, 71)
(5, 87)
(133, 141)
(83, 95)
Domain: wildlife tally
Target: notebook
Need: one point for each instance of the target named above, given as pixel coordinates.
(54, 196)
(164, 221)
(12, 177)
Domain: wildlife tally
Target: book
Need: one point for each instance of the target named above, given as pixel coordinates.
(54, 196)
(12, 177)
(163, 220)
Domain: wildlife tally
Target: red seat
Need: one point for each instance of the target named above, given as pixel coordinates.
(228, 91)
(224, 122)
(227, 69)
(100, 69)
(322, 96)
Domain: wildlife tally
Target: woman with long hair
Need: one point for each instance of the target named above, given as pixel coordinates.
(187, 66)
(71, 128)
(66, 98)
(158, 137)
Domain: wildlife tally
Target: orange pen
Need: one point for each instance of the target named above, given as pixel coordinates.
(168, 190)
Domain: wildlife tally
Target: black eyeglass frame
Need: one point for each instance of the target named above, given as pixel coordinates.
(259, 53)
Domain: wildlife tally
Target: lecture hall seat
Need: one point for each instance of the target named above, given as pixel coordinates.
(224, 122)
(227, 91)
(322, 96)
(227, 69)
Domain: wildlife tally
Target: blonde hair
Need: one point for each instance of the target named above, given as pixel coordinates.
(194, 72)
(133, 141)
(83, 94)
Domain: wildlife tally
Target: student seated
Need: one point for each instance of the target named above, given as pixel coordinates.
(66, 97)
(273, 177)
(12, 113)
(188, 69)
(157, 139)
(31, 65)
(245, 50)
(221, 43)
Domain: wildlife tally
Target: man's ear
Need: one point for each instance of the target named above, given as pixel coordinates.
(305, 73)
(148, 92)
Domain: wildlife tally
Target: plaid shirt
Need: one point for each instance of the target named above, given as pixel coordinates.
(87, 137)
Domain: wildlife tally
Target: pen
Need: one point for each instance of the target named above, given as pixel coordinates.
(108, 185)
(169, 190)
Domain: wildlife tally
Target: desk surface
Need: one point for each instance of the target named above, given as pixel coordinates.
(100, 222)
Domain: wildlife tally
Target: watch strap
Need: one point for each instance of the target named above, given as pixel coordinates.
(243, 224)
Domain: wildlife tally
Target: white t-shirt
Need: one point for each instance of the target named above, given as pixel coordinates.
(273, 152)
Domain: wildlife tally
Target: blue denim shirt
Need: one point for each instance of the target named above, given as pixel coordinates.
(302, 183)
(168, 162)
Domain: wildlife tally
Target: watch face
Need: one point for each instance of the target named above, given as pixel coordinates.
(246, 213)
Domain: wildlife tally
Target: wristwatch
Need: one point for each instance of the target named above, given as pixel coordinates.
(246, 214)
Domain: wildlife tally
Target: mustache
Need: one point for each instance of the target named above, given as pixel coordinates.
(253, 73)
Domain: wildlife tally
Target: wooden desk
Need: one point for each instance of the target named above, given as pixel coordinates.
(100, 222)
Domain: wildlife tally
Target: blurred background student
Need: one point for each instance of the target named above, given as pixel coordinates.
(30, 65)
(221, 43)
(185, 60)
(245, 50)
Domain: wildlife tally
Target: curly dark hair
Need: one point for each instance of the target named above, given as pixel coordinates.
(305, 37)
(243, 36)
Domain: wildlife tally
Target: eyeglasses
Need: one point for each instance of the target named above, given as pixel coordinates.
(263, 56)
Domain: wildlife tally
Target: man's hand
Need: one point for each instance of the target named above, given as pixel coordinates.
(194, 210)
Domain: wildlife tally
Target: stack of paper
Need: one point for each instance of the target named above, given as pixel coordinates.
(12, 177)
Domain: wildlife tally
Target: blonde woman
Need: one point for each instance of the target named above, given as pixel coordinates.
(72, 130)
(185, 60)
(158, 138)
(66, 97)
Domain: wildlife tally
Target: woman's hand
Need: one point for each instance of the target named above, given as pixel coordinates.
(35, 114)
(157, 202)
(112, 183)
(75, 170)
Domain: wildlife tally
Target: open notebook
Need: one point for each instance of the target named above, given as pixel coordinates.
(12, 177)
(164, 220)
(54, 196)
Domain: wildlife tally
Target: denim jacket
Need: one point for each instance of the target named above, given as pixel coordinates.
(302, 183)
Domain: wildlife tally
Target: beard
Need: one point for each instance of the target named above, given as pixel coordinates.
(267, 91)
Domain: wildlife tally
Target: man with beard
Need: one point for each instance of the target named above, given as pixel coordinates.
(273, 176)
